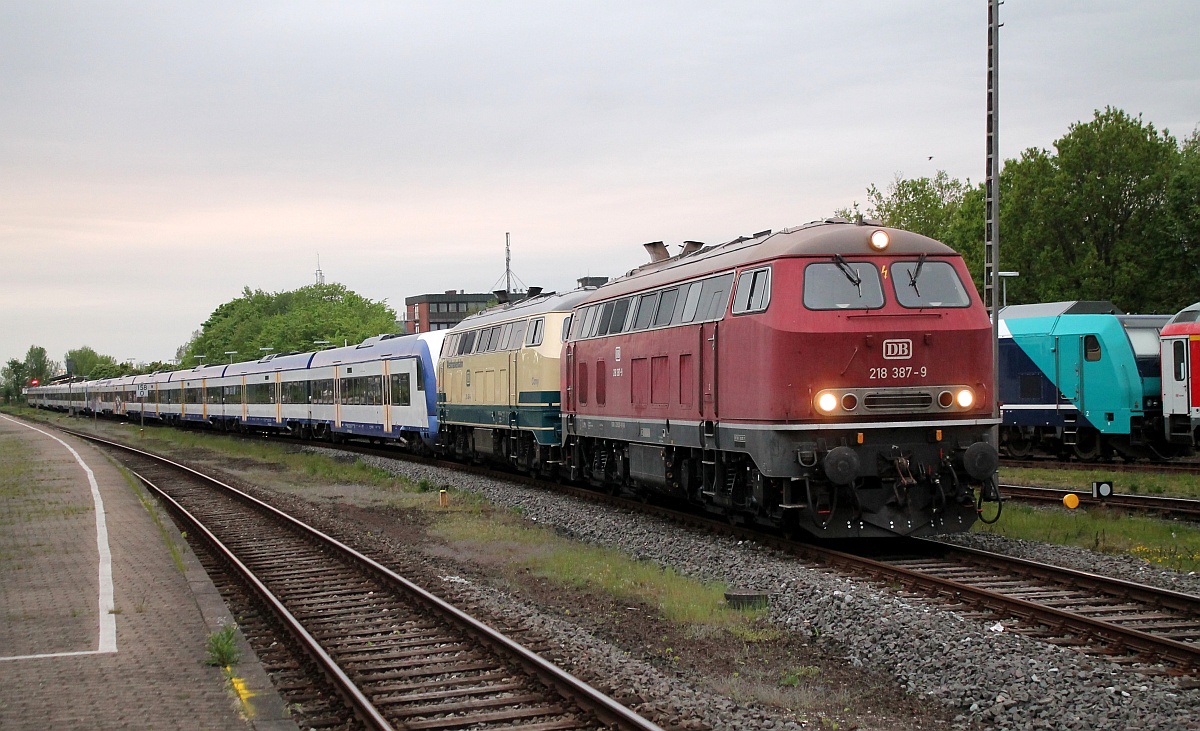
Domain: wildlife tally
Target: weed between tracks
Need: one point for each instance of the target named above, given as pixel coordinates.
(1134, 483)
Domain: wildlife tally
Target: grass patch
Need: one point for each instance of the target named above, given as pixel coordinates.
(1135, 483)
(1169, 544)
(151, 506)
(221, 648)
(503, 536)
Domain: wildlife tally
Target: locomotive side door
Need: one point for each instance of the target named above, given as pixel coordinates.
(1068, 371)
(708, 372)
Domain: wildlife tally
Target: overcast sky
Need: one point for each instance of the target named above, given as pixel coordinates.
(157, 157)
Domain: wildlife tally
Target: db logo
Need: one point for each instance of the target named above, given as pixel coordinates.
(897, 349)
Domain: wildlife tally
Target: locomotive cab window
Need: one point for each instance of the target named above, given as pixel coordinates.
(842, 285)
(1091, 348)
(753, 291)
(925, 283)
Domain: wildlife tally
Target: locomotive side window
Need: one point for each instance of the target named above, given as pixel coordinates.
(1178, 348)
(505, 335)
(842, 285)
(467, 342)
(645, 311)
(535, 332)
(518, 335)
(589, 319)
(566, 329)
(620, 312)
(753, 291)
(1091, 348)
(666, 307)
(925, 283)
(690, 302)
(714, 297)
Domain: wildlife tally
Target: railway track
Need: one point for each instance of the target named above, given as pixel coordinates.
(1127, 622)
(1171, 507)
(395, 655)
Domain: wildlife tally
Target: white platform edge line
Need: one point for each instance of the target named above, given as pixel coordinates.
(108, 620)
(53, 654)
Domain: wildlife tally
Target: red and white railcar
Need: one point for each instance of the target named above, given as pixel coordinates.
(834, 378)
(1179, 341)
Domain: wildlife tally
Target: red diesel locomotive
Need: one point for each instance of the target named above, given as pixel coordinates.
(833, 379)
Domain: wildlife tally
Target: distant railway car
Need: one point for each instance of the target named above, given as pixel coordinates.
(383, 388)
(833, 379)
(498, 381)
(1180, 358)
(1081, 379)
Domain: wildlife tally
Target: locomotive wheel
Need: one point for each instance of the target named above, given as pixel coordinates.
(1017, 444)
(1087, 446)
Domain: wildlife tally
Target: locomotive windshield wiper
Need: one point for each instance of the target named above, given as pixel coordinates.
(849, 272)
(912, 276)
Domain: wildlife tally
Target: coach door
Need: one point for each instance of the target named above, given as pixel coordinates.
(1176, 361)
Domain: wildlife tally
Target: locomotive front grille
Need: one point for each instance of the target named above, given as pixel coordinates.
(898, 401)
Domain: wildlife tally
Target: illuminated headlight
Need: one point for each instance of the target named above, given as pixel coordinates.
(965, 398)
(880, 240)
(827, 402)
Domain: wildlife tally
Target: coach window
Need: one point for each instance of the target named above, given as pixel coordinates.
(924, 283)
(1091, 348)
(534, 337)
(842, 285)
(645, 311)
(753, 291)
(401, 394)
(1178, 348)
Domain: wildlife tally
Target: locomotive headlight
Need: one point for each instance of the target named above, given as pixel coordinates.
(965, 398)
(880, 240)
(827, 402)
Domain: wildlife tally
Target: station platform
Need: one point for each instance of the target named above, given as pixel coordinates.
(104, 611)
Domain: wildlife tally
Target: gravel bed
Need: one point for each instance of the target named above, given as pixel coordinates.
(995, 678)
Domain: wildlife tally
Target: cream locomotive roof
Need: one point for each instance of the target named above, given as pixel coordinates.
(821, 238)
(539, 305)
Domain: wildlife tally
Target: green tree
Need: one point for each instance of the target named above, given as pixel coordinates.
(1113, 212)
(287, 321)
(1091, 221)
(15, 378)
(84, 361)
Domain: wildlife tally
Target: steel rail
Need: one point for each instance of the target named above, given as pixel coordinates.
(606, 709)
(1183, 507)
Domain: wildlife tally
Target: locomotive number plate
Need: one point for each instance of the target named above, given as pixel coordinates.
(886, 372)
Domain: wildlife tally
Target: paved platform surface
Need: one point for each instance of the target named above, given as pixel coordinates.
(81, 650)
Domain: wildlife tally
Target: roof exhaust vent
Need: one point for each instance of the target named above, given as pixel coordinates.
(532, 292)
(691, 247)
(658, 251)
(501, 295)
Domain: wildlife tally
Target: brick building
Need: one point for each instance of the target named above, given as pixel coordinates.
(428, 312)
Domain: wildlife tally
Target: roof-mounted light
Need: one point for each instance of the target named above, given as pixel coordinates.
(880, 240)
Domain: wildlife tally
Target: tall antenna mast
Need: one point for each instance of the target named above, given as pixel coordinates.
(507, 263)
(320, 274)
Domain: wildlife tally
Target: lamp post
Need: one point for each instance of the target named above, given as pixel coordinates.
(1004, 277)
(231, 353)
(266, 351)
(200, 358)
